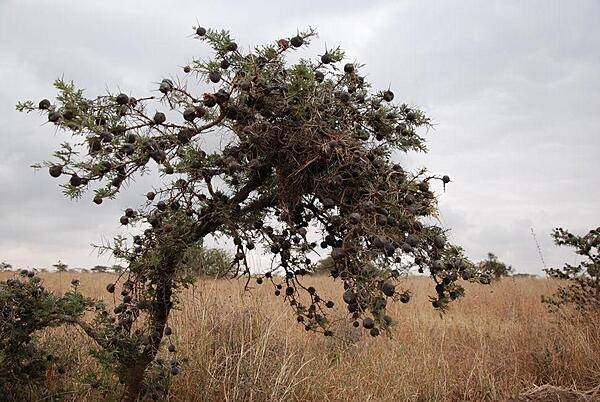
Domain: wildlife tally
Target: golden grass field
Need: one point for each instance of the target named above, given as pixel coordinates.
(497, 343)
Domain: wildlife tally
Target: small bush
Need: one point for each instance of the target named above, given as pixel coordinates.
(583, 288)
(26, 308)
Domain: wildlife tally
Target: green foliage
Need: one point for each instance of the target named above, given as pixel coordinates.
(211, 262)
(493, 268)
(25, 309)
(583, 288)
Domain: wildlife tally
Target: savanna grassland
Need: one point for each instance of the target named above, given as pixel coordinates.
(499, 342)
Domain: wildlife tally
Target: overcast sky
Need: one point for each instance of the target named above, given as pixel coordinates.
(513, 88)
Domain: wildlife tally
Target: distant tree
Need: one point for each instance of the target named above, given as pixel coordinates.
(306, 144)
(494, 268)
(211, 262)
(583, 280)
(60, 266)
(324, 266)
(100, 268)
(117, 269)
(5, 266)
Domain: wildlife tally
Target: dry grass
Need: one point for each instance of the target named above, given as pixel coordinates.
(496, 343)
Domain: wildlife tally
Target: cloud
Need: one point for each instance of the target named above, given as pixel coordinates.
(512, 87)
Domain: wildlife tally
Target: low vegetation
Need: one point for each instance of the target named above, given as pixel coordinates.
(497, 343)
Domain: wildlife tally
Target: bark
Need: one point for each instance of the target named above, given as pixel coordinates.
(161, 309)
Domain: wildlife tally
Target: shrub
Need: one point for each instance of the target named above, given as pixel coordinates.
(26, 308)
(583, 289)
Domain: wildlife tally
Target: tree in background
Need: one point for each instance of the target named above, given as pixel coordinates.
(117, 269)
(583, 289)
(60, 266)
(100, 268)
(323, 266)
(306, 165)
(494, 268)
(210, 262)
(5, 266)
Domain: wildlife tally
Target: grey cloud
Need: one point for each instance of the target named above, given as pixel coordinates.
(512, 87)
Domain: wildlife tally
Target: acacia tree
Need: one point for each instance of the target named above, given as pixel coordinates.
(583, 290)
(493, 268)
(306, 166)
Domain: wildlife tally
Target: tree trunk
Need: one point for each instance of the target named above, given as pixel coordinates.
(157, 321)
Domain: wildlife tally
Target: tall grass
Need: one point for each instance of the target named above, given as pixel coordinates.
(497, 342)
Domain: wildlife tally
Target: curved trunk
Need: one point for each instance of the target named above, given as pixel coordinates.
(159, 315)
(157, 321)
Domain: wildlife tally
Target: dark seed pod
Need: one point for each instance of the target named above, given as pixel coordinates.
(297, 41)
(55, 170)
(122, 99)
(349, 68)
(368, 323)
(319, 76)
(106, 136)
(75, 180)
(388, 96)
(200, 31)
(53, 116)
(349, 297)
(44, 104)
(110, 288)
(165, 87)
(388, 289)
(326, 58)
(159, 118)
(184, 136)
(68, 115)
(214, 76)
(189, 114)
